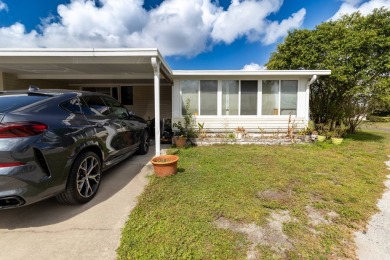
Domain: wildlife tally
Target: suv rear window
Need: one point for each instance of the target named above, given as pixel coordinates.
(10, 102)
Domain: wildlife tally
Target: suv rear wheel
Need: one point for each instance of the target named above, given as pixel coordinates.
(84, 180)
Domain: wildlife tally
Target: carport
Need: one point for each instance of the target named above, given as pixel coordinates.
(70, 68)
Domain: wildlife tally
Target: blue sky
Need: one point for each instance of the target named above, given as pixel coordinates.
(191, 34)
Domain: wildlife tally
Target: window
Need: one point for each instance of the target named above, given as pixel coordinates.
(205, 91)
(127, 95)
(116, 109)
(9, 102)
(249, 97)
(239, 97)
(288, 97)
(96, 105)
(286, 91)
(230, 97)
(270, 97)
(106, 106)
(72, 106)
(208, 97)
(189, 90)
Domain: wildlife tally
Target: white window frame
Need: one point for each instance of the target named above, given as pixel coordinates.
(219, 102)
(259, 97)
(279, 97)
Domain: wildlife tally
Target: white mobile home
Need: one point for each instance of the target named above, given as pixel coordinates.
(143, 81)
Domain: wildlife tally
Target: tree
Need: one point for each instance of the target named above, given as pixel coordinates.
(357, 50)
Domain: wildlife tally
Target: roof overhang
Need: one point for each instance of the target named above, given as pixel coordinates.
(83, 64)
(246, 73)
(91, 65)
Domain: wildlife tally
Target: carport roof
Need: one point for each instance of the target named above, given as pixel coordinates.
(83, 64)
(102, 65)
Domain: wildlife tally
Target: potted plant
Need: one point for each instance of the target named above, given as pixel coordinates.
(322, 133)
(338, 134)
(165, 165)
(186, 130)
(180, 139)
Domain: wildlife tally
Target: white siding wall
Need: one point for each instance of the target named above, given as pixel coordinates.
(253, 124)
(143, 102)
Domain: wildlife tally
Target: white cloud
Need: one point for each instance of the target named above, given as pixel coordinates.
(3, 6)
(83, 24)
(176, 27)
(351, 6)
(243, 18)
(16, 36)
(275, 30)
(254, 66)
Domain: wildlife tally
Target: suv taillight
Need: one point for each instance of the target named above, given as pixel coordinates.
(21, 129)
(13, 164)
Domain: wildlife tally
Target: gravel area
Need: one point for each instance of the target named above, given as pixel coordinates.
(374, 242)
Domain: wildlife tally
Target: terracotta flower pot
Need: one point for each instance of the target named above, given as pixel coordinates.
(180, 141)
(165, 165)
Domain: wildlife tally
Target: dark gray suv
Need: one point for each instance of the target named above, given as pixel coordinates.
(58, 142)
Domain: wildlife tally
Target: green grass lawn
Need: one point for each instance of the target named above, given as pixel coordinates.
(265, 202)
(375, 125)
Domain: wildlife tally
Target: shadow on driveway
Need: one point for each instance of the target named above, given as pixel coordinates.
(50, 212)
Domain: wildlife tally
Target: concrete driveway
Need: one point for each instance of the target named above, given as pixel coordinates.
(49, 230)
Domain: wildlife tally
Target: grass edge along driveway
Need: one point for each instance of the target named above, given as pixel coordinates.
(260, 202)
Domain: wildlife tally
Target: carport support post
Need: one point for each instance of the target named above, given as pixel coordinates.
(156, 68)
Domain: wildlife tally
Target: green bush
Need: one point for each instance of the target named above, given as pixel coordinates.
(378, 118)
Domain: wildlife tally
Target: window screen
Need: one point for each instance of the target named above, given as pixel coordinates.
(288, 97)
(230, 97)
(208, 97)
(248, 97)
(189, 89)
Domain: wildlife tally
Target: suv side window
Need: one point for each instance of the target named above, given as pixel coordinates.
(116, 109)
(72, 106)
(96, 106)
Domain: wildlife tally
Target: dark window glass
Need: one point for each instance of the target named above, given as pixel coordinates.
(115, 93)
(248, 97)
(9, 102)
(97, 106)
(85, 108)
(127, 95)
(116, 108)
(72, 106)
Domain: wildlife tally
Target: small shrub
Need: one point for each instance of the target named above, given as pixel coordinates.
(188, 128)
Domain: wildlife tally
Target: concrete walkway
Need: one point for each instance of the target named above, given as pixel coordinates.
(49, 230)
(375, 242)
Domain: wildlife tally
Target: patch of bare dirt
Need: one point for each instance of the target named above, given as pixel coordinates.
(274, 195)
(270, 235)
(320, 216)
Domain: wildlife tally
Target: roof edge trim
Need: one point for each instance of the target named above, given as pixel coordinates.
(250, 73)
